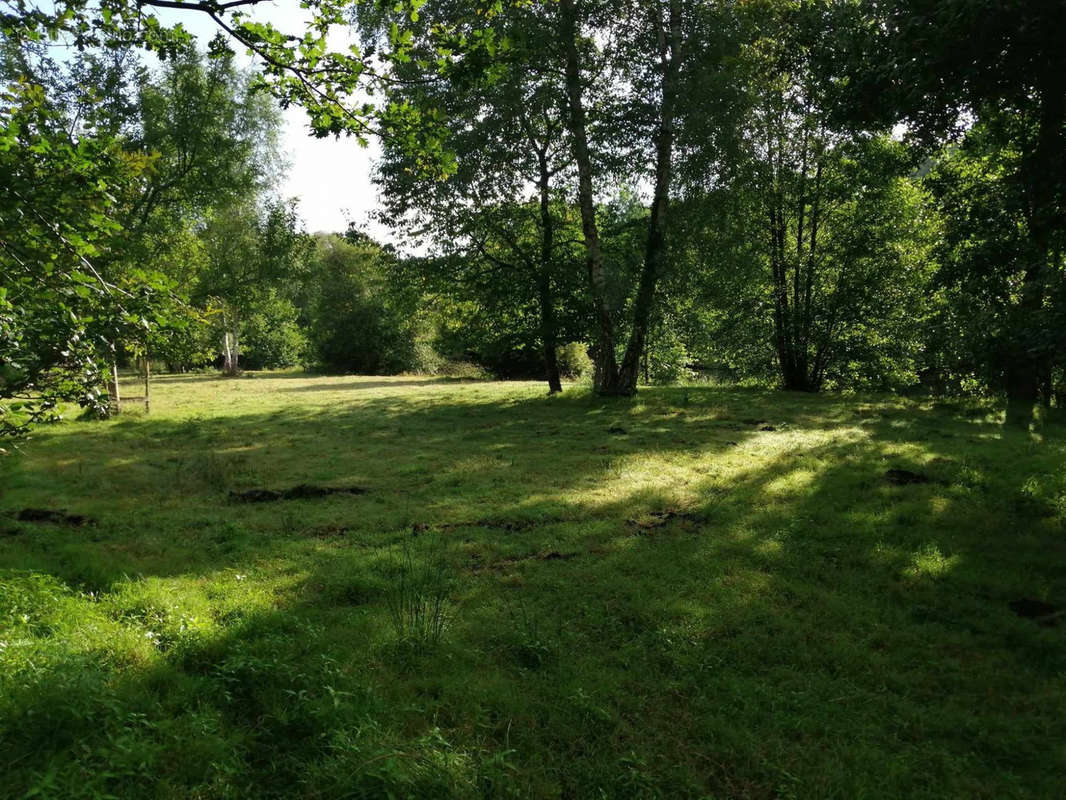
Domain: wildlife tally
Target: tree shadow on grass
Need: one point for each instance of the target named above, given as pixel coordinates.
(786, 622)
(368, 383)
(168, 378)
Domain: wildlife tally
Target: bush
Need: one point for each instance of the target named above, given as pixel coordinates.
(361, 323)
(465, 370)
(574, 361)
(272, 338)
(668, 359)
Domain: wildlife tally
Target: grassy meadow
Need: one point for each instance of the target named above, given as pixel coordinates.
(695, 593)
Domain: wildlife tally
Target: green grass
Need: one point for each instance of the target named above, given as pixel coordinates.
(524, 604)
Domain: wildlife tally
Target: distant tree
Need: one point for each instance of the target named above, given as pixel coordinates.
(496, 221)
(250, 250)
(358, 321)
(647, 49)
(334, 85)
(623, 67)
(982, 256)
(844, 243)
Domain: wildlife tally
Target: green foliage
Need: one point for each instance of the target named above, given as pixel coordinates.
(271, 337)
(574, 361)
(980, 324)
(359, 323)
(668, 360)
(334, 85)
(57, 313)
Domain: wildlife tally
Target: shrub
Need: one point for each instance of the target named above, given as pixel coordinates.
(668, 359)
(271, 337)
(574, 361)
(360, 321)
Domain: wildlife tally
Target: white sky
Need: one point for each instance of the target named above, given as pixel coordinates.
(330, 177)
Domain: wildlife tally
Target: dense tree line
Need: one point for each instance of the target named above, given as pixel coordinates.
(812, 193)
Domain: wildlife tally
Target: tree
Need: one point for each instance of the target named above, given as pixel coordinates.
(982, 257)
(332, 84)
(657, 49)
(359, 322)
(57, 312)
(495, 219)
(250, 249)
(841, 230)
(935, 65)
(619, 89)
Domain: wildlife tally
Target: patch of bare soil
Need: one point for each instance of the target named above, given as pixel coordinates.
(54, 517)
(905, 477)
(304, 491)
(660, 519)
(1037, 610)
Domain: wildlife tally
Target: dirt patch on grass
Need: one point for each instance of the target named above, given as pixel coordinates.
(54, 517)
(1037, 610)
(304, 491)
(329, 531)
(503, 564)
(660, 519)
(905, 477)
(509, 525)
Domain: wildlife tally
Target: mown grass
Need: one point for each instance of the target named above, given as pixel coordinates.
(698, 592)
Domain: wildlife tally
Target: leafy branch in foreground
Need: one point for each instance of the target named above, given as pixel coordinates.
(57, 313)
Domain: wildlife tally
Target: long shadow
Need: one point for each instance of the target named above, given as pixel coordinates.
(363, 385)
(793, 625)
(167, 378)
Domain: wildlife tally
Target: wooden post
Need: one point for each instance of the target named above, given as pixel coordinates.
(115, 401)
(147, 381)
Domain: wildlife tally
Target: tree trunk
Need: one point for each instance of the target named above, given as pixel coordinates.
(655, 248)
(547, 304)
(1023, 374)
(228, 365)
(606, 371)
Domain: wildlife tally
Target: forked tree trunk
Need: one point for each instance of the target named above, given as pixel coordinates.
(606, 367)
(611, 378)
